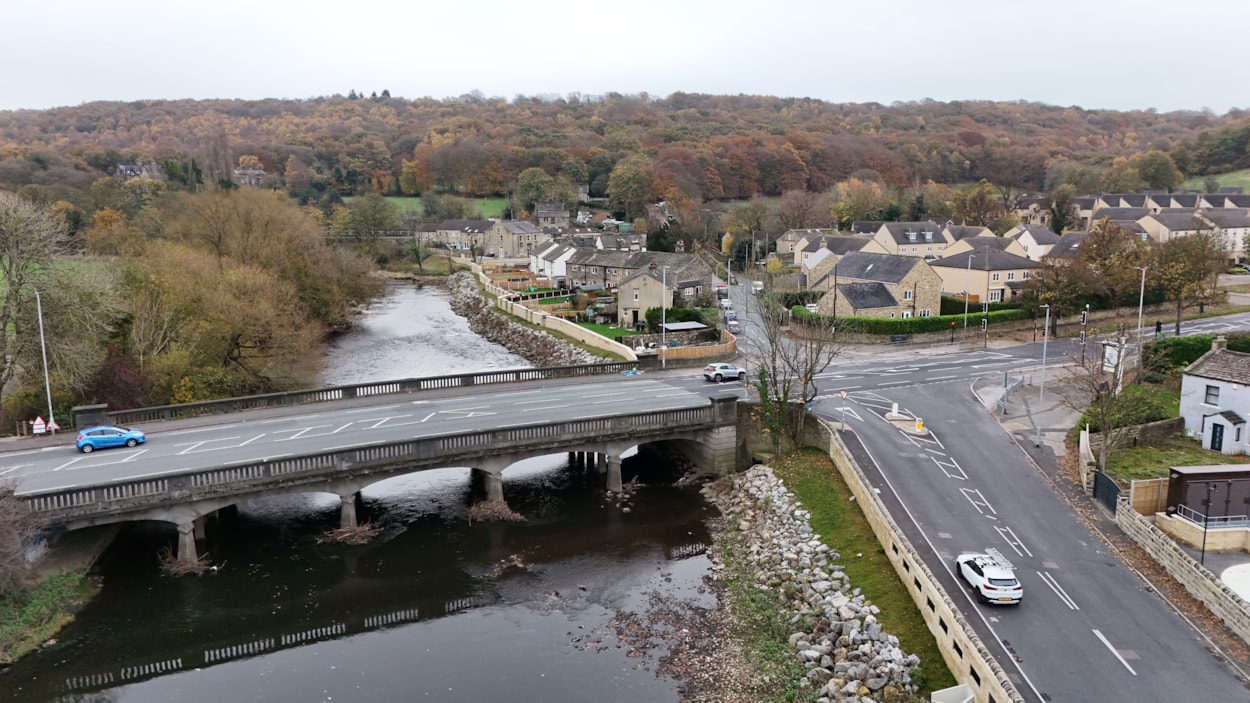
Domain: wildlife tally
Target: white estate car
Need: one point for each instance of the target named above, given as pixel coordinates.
(991, 576)
(723, 372)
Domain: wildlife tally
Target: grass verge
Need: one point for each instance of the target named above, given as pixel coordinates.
(810, 474)
(762, 628)
(1153, 460)
(30, 618)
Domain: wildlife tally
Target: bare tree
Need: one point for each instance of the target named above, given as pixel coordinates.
(1095, 387)
(786, 357)
(31, 239)
(18, 526)
(799, 209)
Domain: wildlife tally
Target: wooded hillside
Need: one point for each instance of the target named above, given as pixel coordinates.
(693, 147)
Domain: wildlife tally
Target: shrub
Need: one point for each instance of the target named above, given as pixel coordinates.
(910, 325)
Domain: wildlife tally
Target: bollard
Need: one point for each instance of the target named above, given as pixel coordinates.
(919, 425)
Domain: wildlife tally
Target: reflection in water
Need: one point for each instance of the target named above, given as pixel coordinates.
(423, 610)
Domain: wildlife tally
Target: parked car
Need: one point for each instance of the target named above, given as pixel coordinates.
(1239, 269)
(726, 303)
(734, 326)
(991, 576)
(721, 372)
(105, 436)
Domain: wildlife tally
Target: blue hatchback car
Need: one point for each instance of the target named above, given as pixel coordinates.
(106, 436)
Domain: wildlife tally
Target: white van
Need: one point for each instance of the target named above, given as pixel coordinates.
(734, 327)
(756, 287)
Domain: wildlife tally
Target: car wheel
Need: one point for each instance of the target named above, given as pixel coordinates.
(742, 376)
(87, 449)
(718, 378)
(131, 442)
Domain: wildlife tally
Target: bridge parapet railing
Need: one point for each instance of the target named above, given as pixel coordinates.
(66, 505)
(360, 390)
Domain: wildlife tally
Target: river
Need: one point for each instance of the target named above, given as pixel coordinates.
(434, 608)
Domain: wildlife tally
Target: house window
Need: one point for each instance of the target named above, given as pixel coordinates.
(924, 313)
(1024, 274)
(906, 295)
(928, 248)
(1237, 435)
(635, 295)
(996, 295)
(906, 314)
(1213, 395)
(994, 277)
(594, 269)
(1011, 275)
(891, 315)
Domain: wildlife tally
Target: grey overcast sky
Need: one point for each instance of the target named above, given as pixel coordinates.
(1115, 54)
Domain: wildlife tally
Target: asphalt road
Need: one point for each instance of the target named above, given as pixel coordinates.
(247, 438)
(1087, 628)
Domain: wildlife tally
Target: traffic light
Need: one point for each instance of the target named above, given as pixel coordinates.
(985, 324)
(1084, 316)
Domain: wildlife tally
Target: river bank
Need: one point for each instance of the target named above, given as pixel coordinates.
(538, 347)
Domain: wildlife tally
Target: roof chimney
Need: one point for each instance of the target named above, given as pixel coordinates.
(1219, 343)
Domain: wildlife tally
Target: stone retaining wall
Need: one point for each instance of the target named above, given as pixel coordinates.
(965, 654)
(1196, 578)
(1147, 432)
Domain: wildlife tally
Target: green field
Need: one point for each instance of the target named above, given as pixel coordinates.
(1234, 178)
(487, 207)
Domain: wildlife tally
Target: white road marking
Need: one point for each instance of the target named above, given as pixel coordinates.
(979, 501)
(895, 383)
(369, 410)
(601, 395)
(948, 466)
(9, 470)
(941, 378)
(1063, 595)
(1015, 542)
(1117, 654)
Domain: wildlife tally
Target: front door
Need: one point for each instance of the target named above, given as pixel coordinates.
(1217, 437)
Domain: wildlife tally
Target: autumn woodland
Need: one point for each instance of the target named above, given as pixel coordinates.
(180, 246)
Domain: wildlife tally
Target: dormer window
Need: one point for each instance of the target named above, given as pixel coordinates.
(911, 236)
(928, 236)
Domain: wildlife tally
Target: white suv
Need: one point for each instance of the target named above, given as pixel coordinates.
(723, 372)
(991, 576)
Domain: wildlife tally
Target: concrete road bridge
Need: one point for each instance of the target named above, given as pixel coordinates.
(184, 476)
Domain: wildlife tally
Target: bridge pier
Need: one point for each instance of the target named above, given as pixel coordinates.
(186, 541)
(614, 473)
(487, 483)
(347, 509)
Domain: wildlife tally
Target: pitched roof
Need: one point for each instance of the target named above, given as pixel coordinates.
(867, 296)
(520, 227)
(876, 267)
(866, 226)
(1041, 233)
(908, 232)
(1228, 218)
(1221, 365)
(958, 232)
(845, 244)
(466, 225)
(1121, 213)
(986, 259)
(1186, 221)
(1068, 244)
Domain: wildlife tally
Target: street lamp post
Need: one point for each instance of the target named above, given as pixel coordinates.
(1141, 299)
(1037, 437)
(43, 350)
(1206, 516)
(664, 318)
(967, 292)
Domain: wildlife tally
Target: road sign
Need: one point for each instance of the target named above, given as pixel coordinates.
(38, 426)
(843, 394)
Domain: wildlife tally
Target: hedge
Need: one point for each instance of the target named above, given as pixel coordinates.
(910, 325)
(952, 305)
(1172, 353)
